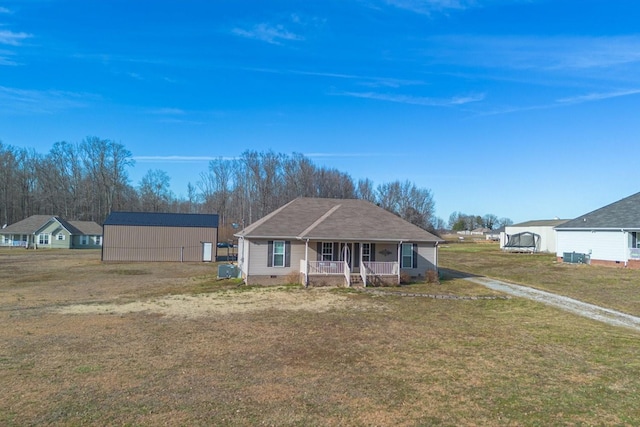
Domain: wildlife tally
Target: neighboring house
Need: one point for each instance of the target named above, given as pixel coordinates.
(334, 241)
(46, 231)
(531, 236)
(607, 236)
(157, 236)
(494, 235)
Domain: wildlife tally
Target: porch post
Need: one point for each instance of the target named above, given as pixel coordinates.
(306, 263)
(399, 259)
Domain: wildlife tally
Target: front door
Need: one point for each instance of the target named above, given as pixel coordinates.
(346, 254)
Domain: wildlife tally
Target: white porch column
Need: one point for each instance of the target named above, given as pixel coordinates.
(399, 260)
(306, 262)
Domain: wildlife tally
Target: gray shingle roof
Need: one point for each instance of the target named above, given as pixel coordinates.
(541, 223)
(624, 213)
(89, 228)
(162, 219)
(27, 226)
(335, 219)
(36, 222)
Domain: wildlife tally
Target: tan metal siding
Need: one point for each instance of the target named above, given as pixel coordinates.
(138, 243)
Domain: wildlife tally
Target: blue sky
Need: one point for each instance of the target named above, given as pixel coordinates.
(525, 109)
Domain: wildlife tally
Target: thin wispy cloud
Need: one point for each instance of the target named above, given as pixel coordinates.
(369, 81)
(5, 58)
(11, 38)
(14, 100)
(534, 52)
(416, 100)
(168, 111)
(4, 10)
(427, 7)
(597, 96)
(268, 33)
(562, 102)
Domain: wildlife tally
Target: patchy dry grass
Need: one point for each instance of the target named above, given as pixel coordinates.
(290, 356)
(615, 288)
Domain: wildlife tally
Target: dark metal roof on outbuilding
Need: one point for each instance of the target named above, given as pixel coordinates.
(622, 214)
(162, 219)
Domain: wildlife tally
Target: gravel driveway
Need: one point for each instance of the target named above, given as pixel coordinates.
(580, 308)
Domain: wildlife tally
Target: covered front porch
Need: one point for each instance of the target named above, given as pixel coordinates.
(351, 262)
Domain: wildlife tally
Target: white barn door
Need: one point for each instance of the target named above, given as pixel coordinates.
(207, 251)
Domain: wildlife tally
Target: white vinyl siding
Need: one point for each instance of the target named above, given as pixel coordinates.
(601, 245)
(256, 251)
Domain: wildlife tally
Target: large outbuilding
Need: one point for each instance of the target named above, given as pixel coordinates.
(158, 236)
(607, 236)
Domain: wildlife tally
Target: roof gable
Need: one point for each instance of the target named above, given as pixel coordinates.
(162, 219)
(335, 219)
(540, 223)
(624, 213)
(28, 225)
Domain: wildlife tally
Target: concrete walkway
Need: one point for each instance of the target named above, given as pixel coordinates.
(612, 317)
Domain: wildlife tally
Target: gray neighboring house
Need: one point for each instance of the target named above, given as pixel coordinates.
(607, 236)
(334, 241)
(52, 232)
(159, 236)
(531, 236)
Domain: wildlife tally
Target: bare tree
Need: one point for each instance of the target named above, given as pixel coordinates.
(155, 195)
(105, 163)
(365, 190)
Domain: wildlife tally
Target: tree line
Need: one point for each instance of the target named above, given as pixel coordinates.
(89, 179)
(459, 221)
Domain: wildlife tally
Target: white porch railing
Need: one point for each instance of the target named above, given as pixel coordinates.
(326, 267)
(15, 243)
(379, 268)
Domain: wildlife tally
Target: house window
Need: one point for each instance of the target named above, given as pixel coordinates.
(84, 240)
(60, 237)
(99, 240)
(278, 253)
(366, 252)
(407, 255)
(327, 251)
(43, 239)
(635, 240)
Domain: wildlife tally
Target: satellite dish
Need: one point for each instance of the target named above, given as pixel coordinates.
(4, 226)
